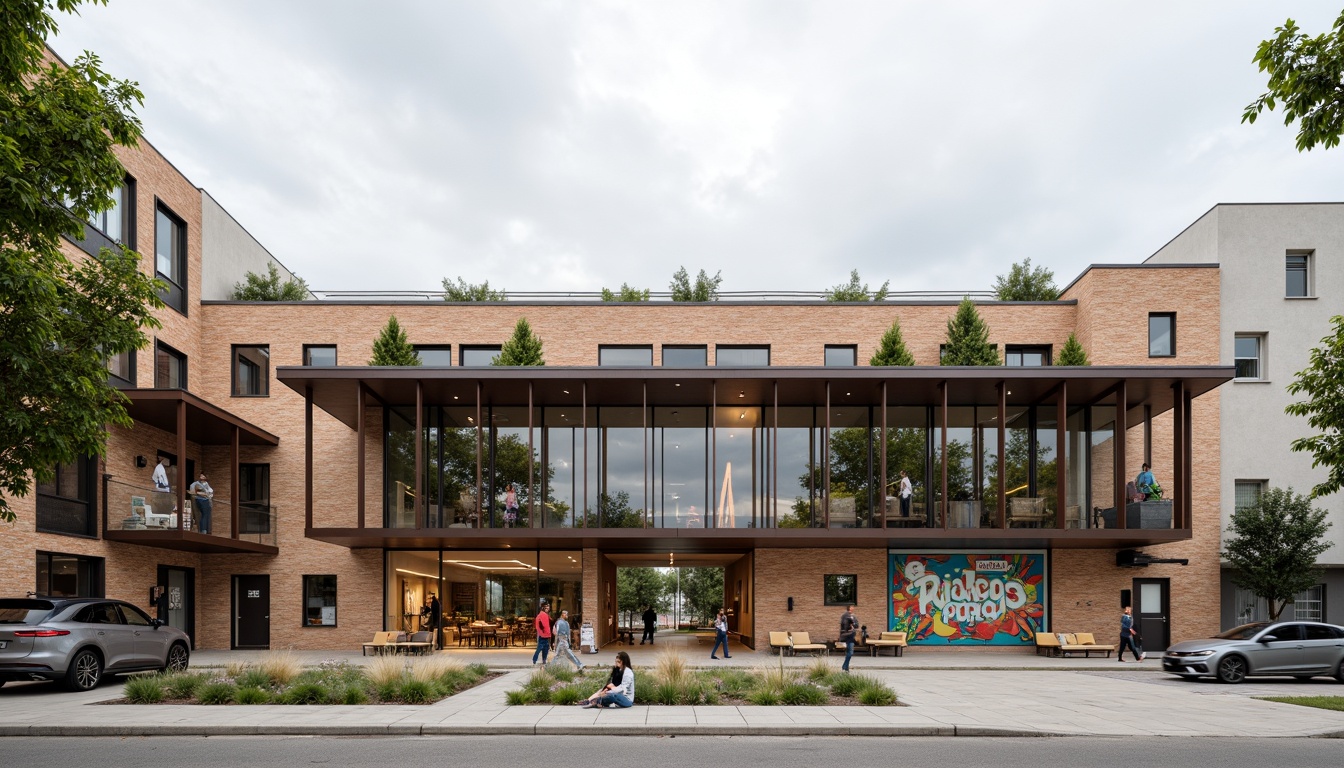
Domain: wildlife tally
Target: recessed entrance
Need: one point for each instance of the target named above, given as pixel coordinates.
(687, 591)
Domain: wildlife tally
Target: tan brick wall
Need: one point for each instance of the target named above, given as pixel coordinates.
(797, 573)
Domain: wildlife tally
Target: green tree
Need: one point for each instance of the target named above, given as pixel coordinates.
(626, 293)
(706, 288)
(391, 347)
(892, 350)
(270, 288)
(1322, 381)
(639, 588)
(1272, 547)
(1023, 283)
(968, 339)
(523, 348)
(1305, 76)
(1072, 353)
(60, 319)
(702, 593)
(614, 511)
(854, 291)
(464, 291)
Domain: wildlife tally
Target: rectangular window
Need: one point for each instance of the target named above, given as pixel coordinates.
(840, 589)
(842, 355)
(65, 502)
(254, 498)
(435, 355)
(1162, 334)
(1297, 274)
(1247, 350)
(1309, 605)
(170, 367)
(319, 354)
(1247, 493)
(319, 601)
(61, 575)
(625, 356)
(742, 357)
(170, 258)
(1248, 607)
(121, 369)
(685, 356)
(251, 371)
(116, 221)
(1026, 356)
(478, 355)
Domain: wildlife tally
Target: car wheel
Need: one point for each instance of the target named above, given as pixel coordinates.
(1339, 672)
(1232, 669)
(177, 658)
(85, 671)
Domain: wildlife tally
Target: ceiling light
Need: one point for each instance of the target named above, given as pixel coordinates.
(566, 391)
(743, 416)
(741, 394)
(676, 385)
(1010, 391)
(454, 397)
(495, 565)
(417, 573)
(846, 394)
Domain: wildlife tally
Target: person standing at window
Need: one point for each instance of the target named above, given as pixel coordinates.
(436, 619)
(510, 506)
(203, 497)
(905, 492)
(720, 636)
(849, 625)
(163, 492)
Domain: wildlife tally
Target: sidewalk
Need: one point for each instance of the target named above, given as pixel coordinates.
(1050, 700)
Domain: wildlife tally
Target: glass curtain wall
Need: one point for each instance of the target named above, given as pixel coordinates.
(680, 464)
(796, 467)
(737, 438)
(852, 461)
(622, 453)
(908, 451)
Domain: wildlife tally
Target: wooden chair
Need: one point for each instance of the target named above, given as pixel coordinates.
(1026, 512)
(780, 641)
(803, 642)
(380, 643)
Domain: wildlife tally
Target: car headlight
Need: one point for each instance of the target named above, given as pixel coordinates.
(1199, 653)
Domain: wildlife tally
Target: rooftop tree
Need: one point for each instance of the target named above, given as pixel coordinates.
(1305, 76)
(1072, 353)
(62, 318)
(1323, 383)
(968, 339)
(391, 346)
(1272, 547)
(270, 288)
(626, 293)
(892, 350)
(464, 291)
(523, 348)
(1023, 283)
(854, 291)
(705, 288)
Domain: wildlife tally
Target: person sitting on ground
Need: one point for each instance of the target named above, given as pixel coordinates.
(622, 693)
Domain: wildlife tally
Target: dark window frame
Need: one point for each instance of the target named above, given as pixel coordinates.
(463, 349)
(623, 347)
(1308, 285)
(175, 299)
(721, 347)
(97, 572)
(88, 486)
(1172, 333)
(122, 382)
(703, 349)
(1259, 339)
(831, 593)
(304, 615)
(1046, 351)
(263, 376)
(433, 348)
(249, 521)
(852, 349)
(308, 348)
(170, 351)
(95, 234)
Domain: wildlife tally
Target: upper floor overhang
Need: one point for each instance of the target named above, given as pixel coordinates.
(174, 410)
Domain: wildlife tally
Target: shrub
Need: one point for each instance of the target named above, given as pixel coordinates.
(388, 689)
(877, 695)
(416, 691)
(236, 668)
(518, 698)
(671, 666)
(281, 666)
(764, 697)
(385, 669)
(774, 678)
(218, 692)
(144, 689)
(252, 695)
(563, 673)
(434, 668)
(736, 683)
(849, 685)
(478, 669)
(820, 669)
(352, 695)
(182, 686)
(663, 693)
(252, 678)
(567, 695)
(802, 694)
(306, 693)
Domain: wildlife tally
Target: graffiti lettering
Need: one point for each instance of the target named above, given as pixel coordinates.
(968, 599)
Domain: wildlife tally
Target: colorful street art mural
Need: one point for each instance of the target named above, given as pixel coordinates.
(967, 598)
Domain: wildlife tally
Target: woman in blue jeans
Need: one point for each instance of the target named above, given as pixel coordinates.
(720, 636)
(621, 694)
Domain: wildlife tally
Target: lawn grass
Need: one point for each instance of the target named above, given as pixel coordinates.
(1319, 702)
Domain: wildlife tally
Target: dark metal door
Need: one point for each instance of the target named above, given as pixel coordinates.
(1152, 601)
(251, 611)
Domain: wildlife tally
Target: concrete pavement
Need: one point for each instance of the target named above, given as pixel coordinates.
(946, 694)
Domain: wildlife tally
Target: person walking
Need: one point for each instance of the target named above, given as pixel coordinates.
(720, 636)
(436, 619)
(650, 619)
(849, 626)
(621, 694)
(562, 641)
(543, 627)
(202, 496)
(1129, 638)
(905, 493)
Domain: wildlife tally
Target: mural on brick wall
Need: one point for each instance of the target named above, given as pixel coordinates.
(967, 598)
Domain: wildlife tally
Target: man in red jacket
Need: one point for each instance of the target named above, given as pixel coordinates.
(543, 625)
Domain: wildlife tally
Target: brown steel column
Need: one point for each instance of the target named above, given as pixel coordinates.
(531, 488)
(942, 386)
(1003, 457)
(360, 435)
(712, 514)
(233, 482)
(308, 456)
(644, 439)
(182, 479)
(826, 462)
(1061, 463)
(480, 508)
(774, 453)
(1188, 443)
(419, 454)
(1121, 441)
(1178, 477)
(882, 497)
(583, 401)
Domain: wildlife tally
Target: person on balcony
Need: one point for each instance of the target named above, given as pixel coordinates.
(163, 503)
(905, 492)
(202, 496)
(1146, 483)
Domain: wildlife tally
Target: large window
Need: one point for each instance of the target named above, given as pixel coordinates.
(435, 355)
(170, 368)
(170, 258)
(1248, 607)
(65, 502)
(1029, 356)
(319, 354)
(742, 357)
(478, 355)
(625, 356)
(69, 575)
(1248, 351)
(1162, 334)
(254, 498)
(685, 356)
(841, 355)
(319, 601)
(116, 221)
(1309, 605)
(251, 371)
(1297, 275)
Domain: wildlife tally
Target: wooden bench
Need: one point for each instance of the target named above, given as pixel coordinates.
(779, 641)
(381, 643)
(801, 641)
(1047, 644)
(893, 640)
(1084, 643)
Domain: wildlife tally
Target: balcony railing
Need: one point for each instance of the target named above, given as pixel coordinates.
(133, 507)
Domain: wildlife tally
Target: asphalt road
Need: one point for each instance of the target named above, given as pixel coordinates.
(737, 752)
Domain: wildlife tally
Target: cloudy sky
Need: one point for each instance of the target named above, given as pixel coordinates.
(566, 146)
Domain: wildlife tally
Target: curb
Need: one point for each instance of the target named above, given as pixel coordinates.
(612, 729)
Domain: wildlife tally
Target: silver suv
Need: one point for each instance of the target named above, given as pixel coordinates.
(78, 640)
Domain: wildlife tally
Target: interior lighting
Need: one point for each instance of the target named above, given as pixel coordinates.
(493, 565)
(741, 394)
(417, 573)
